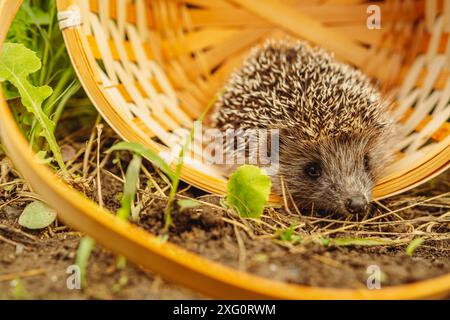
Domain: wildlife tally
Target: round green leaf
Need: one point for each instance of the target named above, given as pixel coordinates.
(36, 216)
(248, 191)
(185, 204)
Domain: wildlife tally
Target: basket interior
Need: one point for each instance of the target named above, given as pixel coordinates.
(152, 67)
(134, 243)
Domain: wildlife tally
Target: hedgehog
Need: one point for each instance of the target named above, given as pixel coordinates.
(335, 128)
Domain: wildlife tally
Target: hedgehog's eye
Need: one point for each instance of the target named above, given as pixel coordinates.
(313, 170)
(366, 163)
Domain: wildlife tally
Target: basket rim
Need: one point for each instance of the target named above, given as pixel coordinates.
(171, 261)
(174, 262)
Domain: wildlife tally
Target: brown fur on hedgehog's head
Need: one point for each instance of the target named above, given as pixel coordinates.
(334, 173)
(339, 141)
(336, 131)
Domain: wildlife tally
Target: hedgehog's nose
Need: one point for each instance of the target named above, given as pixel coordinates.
(356, 204)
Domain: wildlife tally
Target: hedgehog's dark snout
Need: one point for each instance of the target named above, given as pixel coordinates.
(356, 205)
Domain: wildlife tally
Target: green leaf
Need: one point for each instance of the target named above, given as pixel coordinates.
(19, 32)
(248, 191)
(146, 153)
(129, 193)
(42, 158)
(18, 290)
(120, 284)
(261, 258)
(16, 64)
(185, 204)
(413, 245)
(10, 92)
(37, 16)
(136, 211)
(289, 235)
(83, 253)
(36, 216)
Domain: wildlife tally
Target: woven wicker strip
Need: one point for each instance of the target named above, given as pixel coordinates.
(160, 67)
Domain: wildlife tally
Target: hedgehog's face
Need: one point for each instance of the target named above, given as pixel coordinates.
(336, 174)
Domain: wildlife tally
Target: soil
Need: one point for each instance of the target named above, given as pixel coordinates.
(47, 259)
(33, 265)
(203, 232)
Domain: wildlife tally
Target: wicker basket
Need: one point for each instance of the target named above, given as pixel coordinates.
(151, 67)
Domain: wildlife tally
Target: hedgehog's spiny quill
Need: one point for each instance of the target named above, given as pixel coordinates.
(336, 129)
(290, 84)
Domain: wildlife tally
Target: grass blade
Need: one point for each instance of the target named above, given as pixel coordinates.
(83, 253)
(131, 181)
(413, 245)
(146, 153)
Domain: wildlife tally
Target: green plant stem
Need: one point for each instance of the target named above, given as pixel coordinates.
(61, 106)
(58, 91)
(168, 222)
(84, 251)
